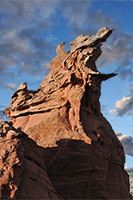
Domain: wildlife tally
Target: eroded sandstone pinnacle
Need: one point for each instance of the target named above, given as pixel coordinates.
(67, 94)
(83, 157)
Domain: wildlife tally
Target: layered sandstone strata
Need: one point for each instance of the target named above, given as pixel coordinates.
(83, 157)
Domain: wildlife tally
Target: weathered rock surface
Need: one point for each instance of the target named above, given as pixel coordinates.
(23, 172)
(83, 157)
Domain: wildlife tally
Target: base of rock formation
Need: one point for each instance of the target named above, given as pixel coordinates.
(23, 171)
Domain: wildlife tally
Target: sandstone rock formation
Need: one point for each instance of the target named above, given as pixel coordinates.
(83, 157)
(23, 172)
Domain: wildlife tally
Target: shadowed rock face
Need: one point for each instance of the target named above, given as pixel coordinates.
(83, 157)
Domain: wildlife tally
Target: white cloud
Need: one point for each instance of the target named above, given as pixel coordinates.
(112, 118)
(123, 106)
(118, 51)
(128, 168)
(82, 20)
(113, 111)
(118, 134)
(26, 11)
(12, 86)
(76, 13)
(25, 24)
(7, 61)
(29, 50)
(127, 142)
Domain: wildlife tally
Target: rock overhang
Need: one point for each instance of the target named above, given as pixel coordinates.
(89, 41)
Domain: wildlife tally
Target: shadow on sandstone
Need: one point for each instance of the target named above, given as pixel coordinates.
(78, 170)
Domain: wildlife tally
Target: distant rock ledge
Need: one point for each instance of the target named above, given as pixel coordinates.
(75, 153)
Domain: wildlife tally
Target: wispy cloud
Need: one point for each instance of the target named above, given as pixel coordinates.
(127, 142)
(84, 21)
(12, 86)
(2, 106)
(130, 87)
(26, 35)
(118, 51)
(23, 25)
(112, 118)
(103, 108)
(71, 10)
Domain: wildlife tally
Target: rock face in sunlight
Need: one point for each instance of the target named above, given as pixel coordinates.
(83, 157)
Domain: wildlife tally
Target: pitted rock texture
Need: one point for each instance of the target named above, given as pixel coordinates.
(23, 172)
(83, 157)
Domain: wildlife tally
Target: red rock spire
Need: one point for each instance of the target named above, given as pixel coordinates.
(83, 157)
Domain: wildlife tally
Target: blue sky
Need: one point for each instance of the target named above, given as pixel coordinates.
(30, 31)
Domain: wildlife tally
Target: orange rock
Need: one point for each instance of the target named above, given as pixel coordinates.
(83, 157)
